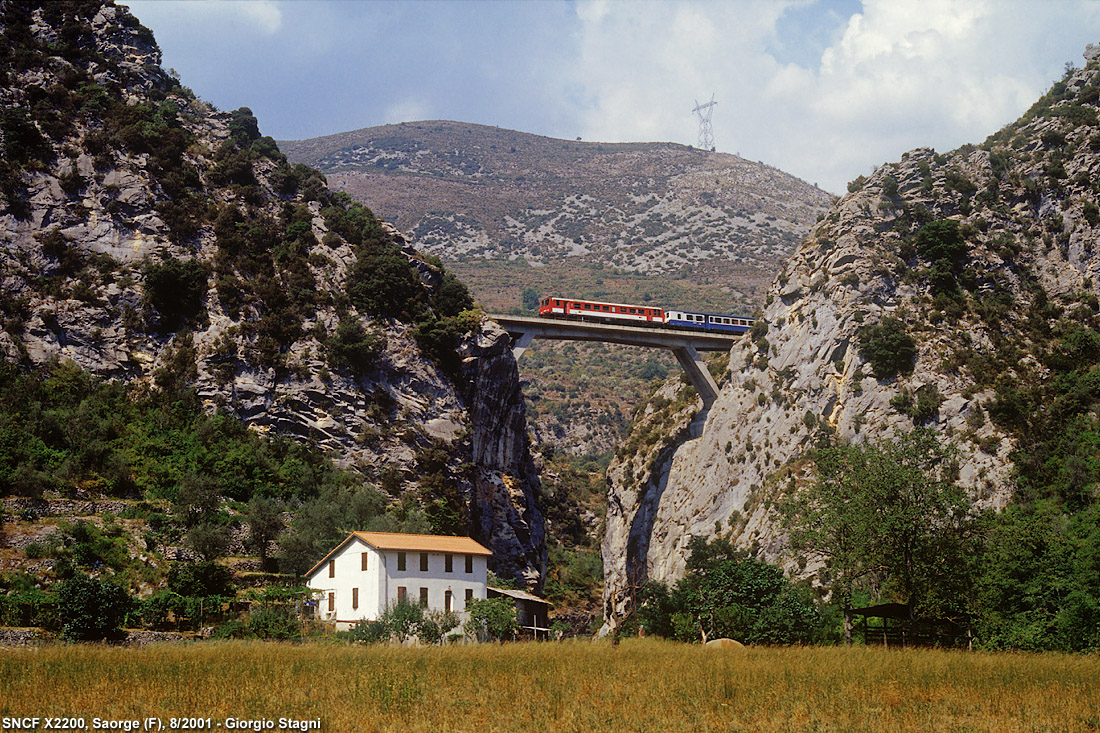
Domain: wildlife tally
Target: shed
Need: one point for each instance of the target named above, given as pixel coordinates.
(532, 612)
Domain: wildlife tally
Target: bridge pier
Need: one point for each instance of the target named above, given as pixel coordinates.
(697, 373)
(520, 342)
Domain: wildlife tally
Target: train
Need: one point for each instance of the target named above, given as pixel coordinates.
(641, 315)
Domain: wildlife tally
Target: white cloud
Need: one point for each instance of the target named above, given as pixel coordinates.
(825, 89)
(408, 109)
(897, 75)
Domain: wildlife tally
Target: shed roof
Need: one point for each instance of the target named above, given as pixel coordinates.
(410, 543)
(519, 595)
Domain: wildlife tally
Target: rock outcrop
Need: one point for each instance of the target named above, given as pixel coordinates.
(994, 316)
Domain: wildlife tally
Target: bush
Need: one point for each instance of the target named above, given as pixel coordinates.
(888, 347)
(922, 406)
(383, 283)
(494, 617)
(274, 622)
(175, 290)
(200, 579)
(369, 632)
(91, 609)
(353, 347)
(941, 240)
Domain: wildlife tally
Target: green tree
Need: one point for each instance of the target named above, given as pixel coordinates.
(353, 347)
(1037, 589)
(383, 283)
(726, 593)
(888, 347)
(265, 524)
(889, 520)
(530, 299)
(494, 617)
(403, 619)
(200, 579)
(175, 290)
(451, 296)
(91, 609)
(209, 540)
(197, 499)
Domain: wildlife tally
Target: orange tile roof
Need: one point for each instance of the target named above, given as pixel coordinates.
(423, 543)
(410, 543)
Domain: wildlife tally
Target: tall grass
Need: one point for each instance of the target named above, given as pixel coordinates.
(642, 685)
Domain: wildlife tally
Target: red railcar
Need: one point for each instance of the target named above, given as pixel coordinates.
(593, 310)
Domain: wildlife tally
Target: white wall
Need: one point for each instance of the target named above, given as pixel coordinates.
(436, 579)
(378, 586)
(348, 576)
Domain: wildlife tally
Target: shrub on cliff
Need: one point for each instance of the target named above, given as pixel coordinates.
(888, 346)
(175, 289)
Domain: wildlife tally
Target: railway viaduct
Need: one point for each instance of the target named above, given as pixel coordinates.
(686, 345)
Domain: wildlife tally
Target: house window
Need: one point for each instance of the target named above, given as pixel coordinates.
(402, 594)
(423, 562)
(469, 563)
(331, 601)
(423, 597)
(447, 601)
(365, 555)
(355, 598)
(448, 563)
(332, 568)
(401, 561)
(469, 596)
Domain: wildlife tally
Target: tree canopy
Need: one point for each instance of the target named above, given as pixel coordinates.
(886, 519)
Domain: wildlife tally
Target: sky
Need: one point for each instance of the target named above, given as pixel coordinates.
(824, 89)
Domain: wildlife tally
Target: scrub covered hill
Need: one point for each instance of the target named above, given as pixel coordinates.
(234, 300)
(519, 216)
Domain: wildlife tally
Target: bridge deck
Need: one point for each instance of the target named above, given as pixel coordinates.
(684, 344)
(651, 336)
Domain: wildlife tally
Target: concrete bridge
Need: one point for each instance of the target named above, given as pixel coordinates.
(686, 345)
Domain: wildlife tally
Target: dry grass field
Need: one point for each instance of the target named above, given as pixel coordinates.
(642, 685)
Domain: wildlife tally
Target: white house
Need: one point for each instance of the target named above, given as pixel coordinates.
(369, 571)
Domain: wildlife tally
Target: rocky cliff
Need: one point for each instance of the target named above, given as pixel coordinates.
(149, 237)
(956, 291)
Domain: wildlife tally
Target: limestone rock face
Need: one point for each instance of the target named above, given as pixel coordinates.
(504, 504)
(1025, 205)
(81, 225)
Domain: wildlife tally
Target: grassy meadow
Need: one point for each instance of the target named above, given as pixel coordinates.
(641, 685)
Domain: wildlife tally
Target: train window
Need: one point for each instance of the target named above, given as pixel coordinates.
(606, 308)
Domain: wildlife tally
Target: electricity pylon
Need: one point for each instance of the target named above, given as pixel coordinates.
(706, 132)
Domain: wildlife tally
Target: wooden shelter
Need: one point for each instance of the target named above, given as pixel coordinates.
(897, 626)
